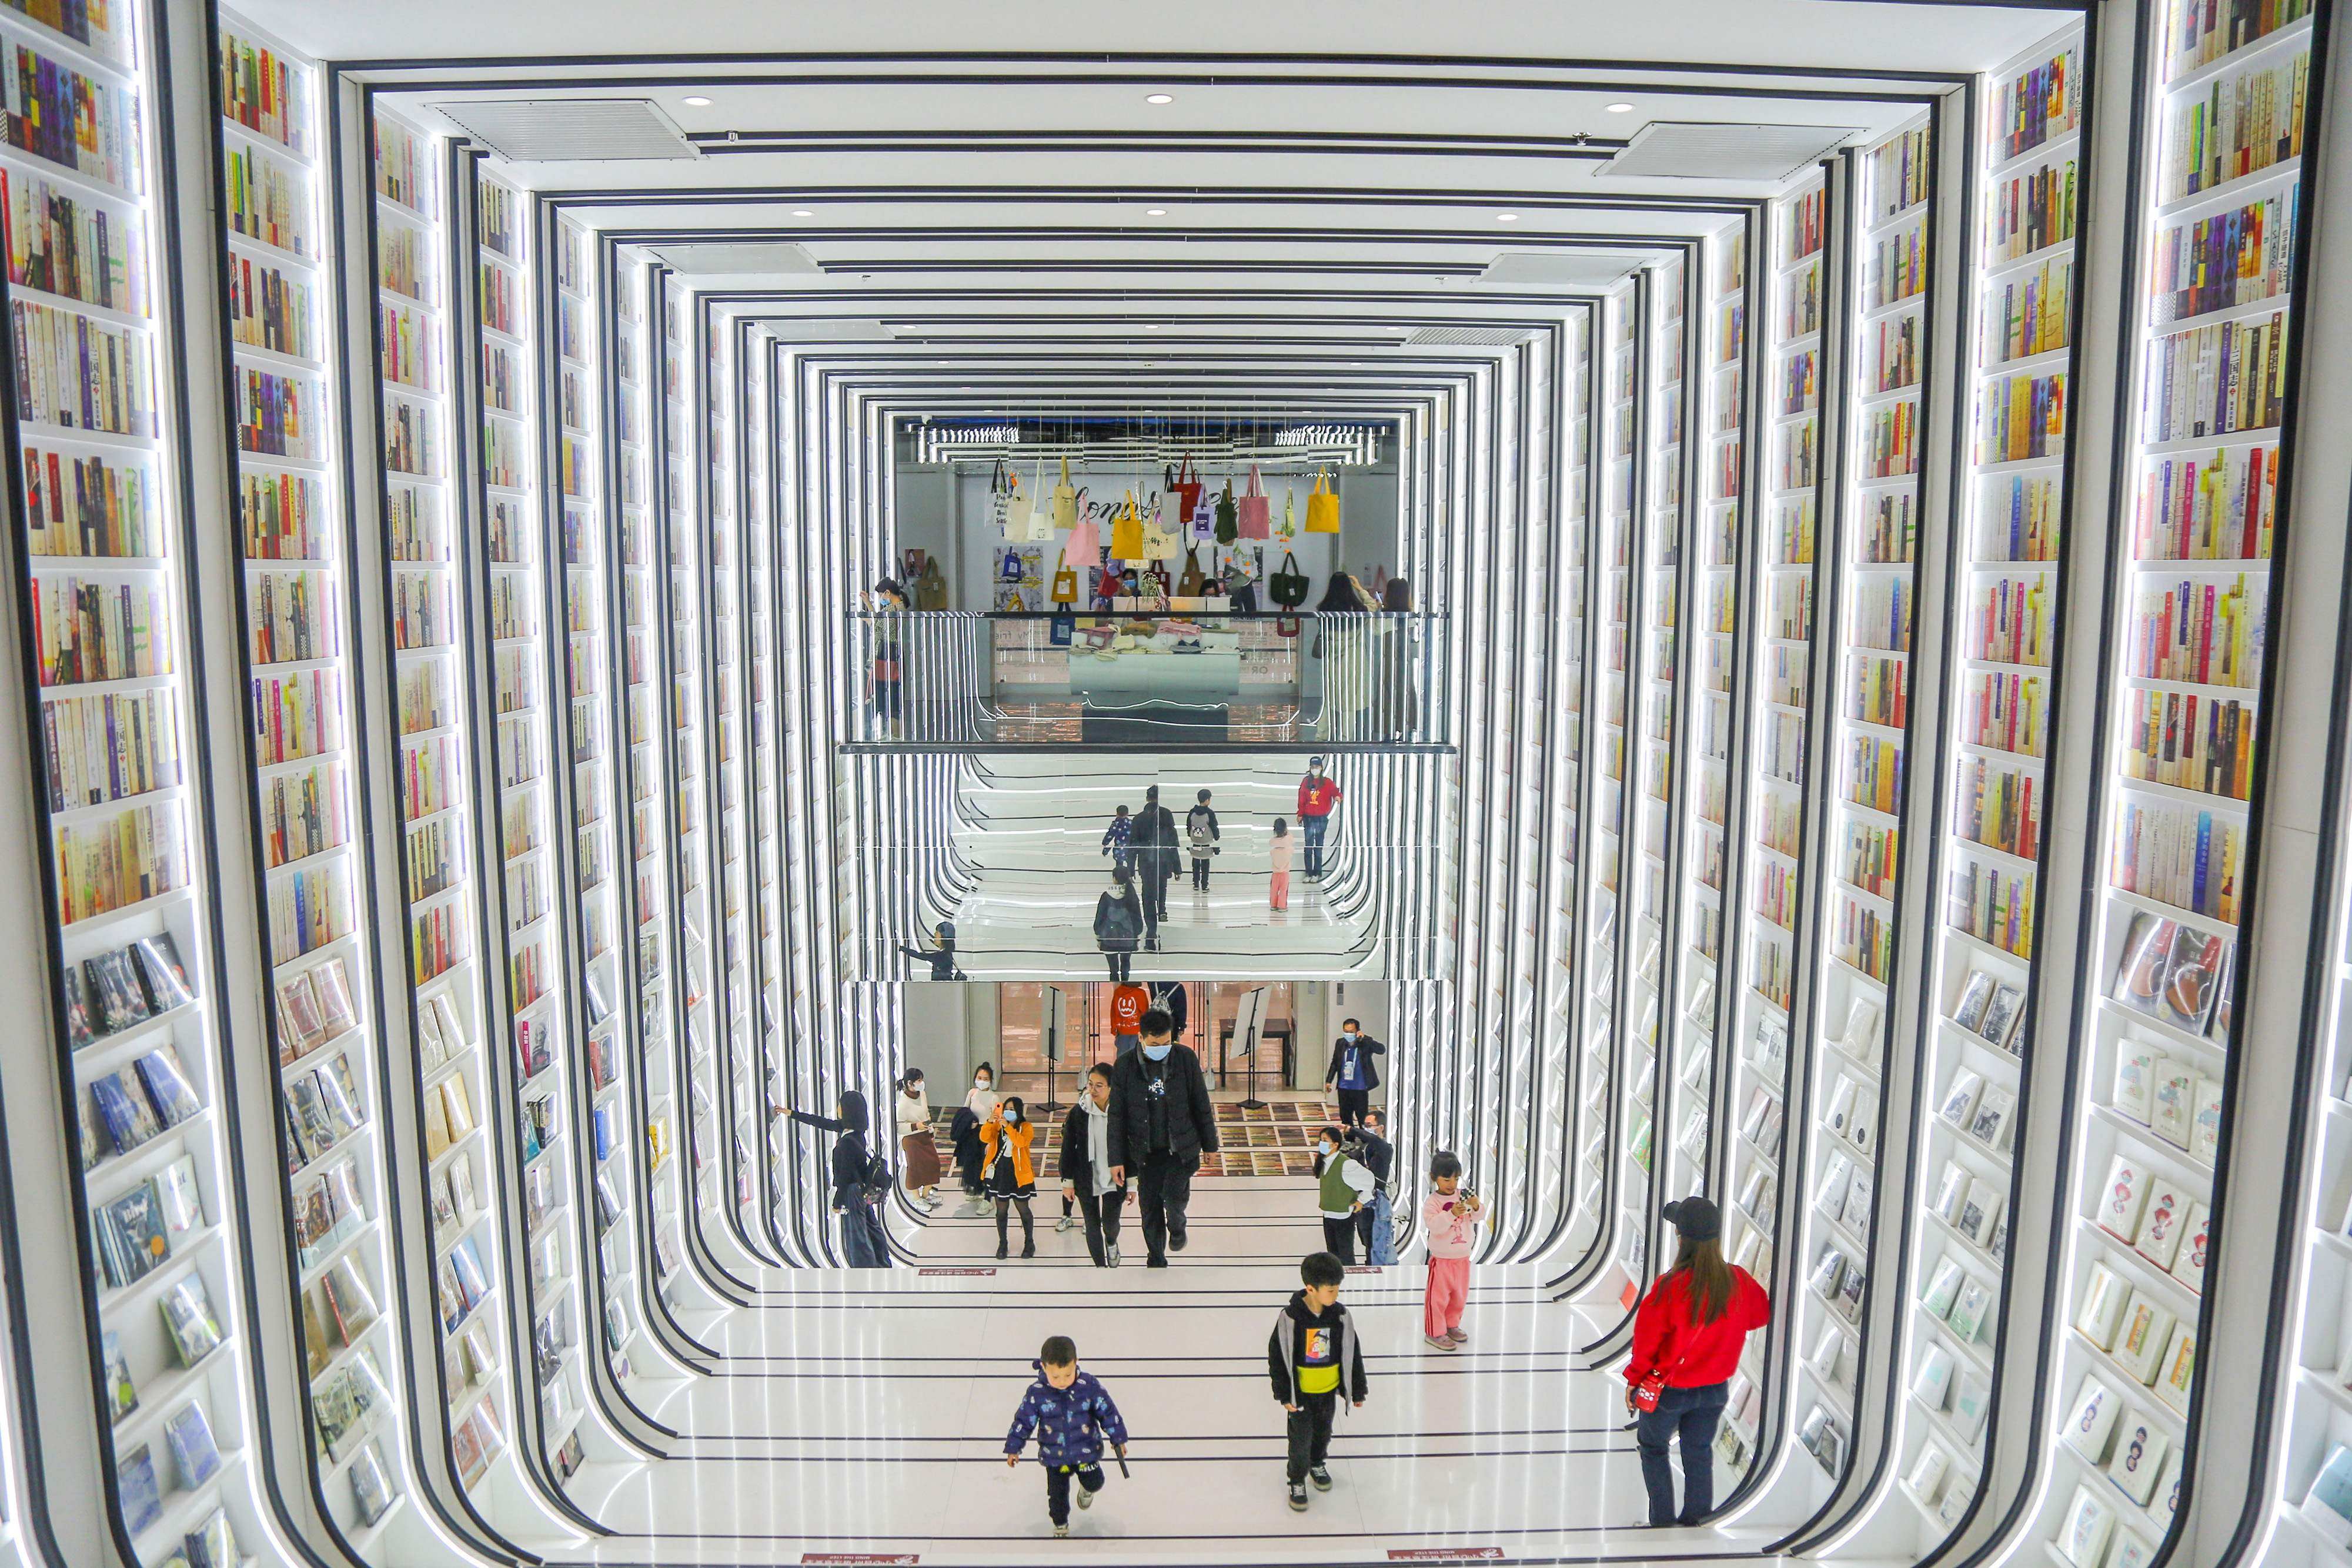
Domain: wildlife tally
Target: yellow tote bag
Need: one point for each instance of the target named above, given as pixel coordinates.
(1322, 505)
(1127, 532)
(1066, 501)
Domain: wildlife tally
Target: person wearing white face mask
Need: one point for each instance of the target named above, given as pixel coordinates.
(1085, 1167)
(979, 1105)
(1351, 1069)
(1012, 1175)
(1342, 1187)
(919, 1159)
(1161, 1122)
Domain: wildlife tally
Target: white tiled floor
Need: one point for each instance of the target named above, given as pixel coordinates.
(866, 1412)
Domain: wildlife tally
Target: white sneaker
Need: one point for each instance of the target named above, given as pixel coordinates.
(1111, 1254)
(1086, 1497)
(1065, 1223)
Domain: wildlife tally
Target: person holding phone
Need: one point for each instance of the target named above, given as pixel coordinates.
(1687, 1336)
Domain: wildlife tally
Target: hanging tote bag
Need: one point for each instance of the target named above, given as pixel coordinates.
(1185, 485)
(1009, 569)
(1289, 528)
(1065, 502)
(1255, 516)
(1201, 528)
(1322, 505)
(1001, 490)
(1066, 581)
(1228, 517)
(1127, 534)
(1084, 544)
(1040, 518)
(1193, 584)
(931, 587)
(1161, 538)
(1289, 586)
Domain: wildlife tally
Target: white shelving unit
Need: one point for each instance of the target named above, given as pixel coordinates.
(1563, 867)
(2192, 591)
(2007, 563)
(766, 777)
(1771, 843)
(107, 541)
(445, 933)
(332, 1070)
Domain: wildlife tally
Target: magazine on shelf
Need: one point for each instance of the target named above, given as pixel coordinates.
(188, 1316)
(131, 1239)
(167, 1086)
(195, 1455)
(125, 1110)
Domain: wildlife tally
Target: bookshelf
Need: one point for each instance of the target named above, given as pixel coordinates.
(766, 777)
(691, 862)
(1581, 1058)
(2007, 568)
(643, 722)
(332, 1075)
(430, 662)
(2191, 588)
(107, 578)
(1771, 820)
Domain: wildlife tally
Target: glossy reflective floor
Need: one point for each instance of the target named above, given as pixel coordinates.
(1032, 826)
(866, 1412)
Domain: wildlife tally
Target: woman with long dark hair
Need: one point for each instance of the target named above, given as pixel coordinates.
(1687, 1337)
(863, 1245)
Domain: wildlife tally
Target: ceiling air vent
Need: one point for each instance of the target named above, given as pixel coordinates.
(1472, 337)
(568, 130)
(1689, 150)
(703, 260)
(1559, 268)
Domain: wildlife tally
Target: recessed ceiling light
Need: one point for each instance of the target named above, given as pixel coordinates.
(1158, 98)
(1150, 327)
(1507, 217)
(1620, 108)
(1155, 212)
(803, 212)
(696, 101)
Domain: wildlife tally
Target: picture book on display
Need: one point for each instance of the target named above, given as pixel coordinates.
(371, 1491)
(122, 1393)
(132, 1239)
(188, 1315)
(125, 1110)
(193, 1454)
(167, 1086)
(2172, 972)
(141, 1496)
(212, 1544)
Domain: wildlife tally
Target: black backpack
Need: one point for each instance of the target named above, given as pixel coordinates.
(878, 1180)
(1119, 923)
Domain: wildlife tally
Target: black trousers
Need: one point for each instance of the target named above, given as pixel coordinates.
(1156, 873)
(1200, 872)
(1102, 1222)
(1122, 963)
(1354, 1104)
(1163, 1186)
(1310, 1433)
(1339, 1237)
(1057, 1487)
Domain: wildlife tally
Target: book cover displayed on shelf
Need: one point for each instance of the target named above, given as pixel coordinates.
(195, 1456)
(188, 1317)
(140, 1490)
(122, 1393)
(133, 1241)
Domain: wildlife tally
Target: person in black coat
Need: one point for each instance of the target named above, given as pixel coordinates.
(1161, 1123)
(942, 959)
(862, 1242)
(1168, 996)
(1158, 848)
(1352, 1069)
(1080, 1172)
(1118, 924)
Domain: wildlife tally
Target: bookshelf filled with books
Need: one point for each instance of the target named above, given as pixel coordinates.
(766, 782)
(644, 721)
(298, 594)
(1564, 899)
(438, 718)
(677, 488)
(585, 351)
(2006, 566)
(2221, 204)
(1881, 311)
(1769, 820)
(107, 577)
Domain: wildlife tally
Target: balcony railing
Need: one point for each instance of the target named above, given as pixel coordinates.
(1159, 679)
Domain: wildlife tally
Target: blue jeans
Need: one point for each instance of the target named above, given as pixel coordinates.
(1376, 1228)
(1311, 829)
(1694, 1413)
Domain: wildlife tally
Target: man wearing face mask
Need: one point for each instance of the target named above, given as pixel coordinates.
(1161, 1123)
(1352, 1071)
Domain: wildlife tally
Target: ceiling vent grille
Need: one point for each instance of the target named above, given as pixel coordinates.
(703, 260)
(570, 130)
(1687, 150)
(1472, 337)
(1559, 268)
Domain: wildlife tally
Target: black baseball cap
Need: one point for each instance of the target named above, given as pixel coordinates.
(1696, 1219)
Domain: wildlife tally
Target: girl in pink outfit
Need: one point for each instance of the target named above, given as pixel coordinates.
(1449, 1217)
(1278, 889)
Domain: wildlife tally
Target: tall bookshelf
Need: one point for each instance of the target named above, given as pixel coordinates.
(438, 773)
(766, 778)
(2008, 567)
(1571, 1064)
(1772, 816)
(333, 1073)
(2217, 214)
(104, 594)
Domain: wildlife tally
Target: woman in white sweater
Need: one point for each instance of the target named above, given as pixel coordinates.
(920, 1156)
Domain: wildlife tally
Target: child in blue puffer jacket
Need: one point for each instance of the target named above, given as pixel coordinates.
(1071, 1414)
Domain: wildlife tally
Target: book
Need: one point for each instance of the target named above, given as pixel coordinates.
(2165, 1502)
(1976, 996)
(371, 1491)
(195, 1454)
(188, 1318)
(2133, 1087)
(2001, 1015)
(2172, 1100)
(1928, 1472)
(1958, 1105)
(301, 1029)
(353, 1302)
(2101, 1317)
(167, 1086)
(133, 1239)
(1951, 1191)
(1977, 1209)
(1931, 1380)
(2122, 1198)
(1943, 1288)
(2205, 1121)
(116, 998)
(1841, 1109)
(2140, 1450)
(2140, 1343)
(2176, 1370)
(135, 1485)
(122, 1393)
(2188, 1262)
(213, 1543)
(183, 1204)
(125, 1110)
(2083, 1532)
(1971, 1401)
(164, 977)
(1991, 1125)
(2161, 1222)
(80, 1026)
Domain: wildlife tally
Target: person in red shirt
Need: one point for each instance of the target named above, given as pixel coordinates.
(1690, 1329)
(1128, 1002)
(1318, 796)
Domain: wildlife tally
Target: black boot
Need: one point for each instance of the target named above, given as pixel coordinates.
(1001, 1242)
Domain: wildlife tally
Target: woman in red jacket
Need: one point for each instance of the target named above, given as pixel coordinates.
(1689, 1331)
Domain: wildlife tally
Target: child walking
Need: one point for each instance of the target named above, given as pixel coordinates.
(1117, 840)
(1277, 889)
(1315, 1361)
(1450, 1218)
(1071, 1414)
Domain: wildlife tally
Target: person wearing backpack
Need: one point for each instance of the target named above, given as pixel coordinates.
(1118, 924)
(1201, 832)
(861, 1179)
